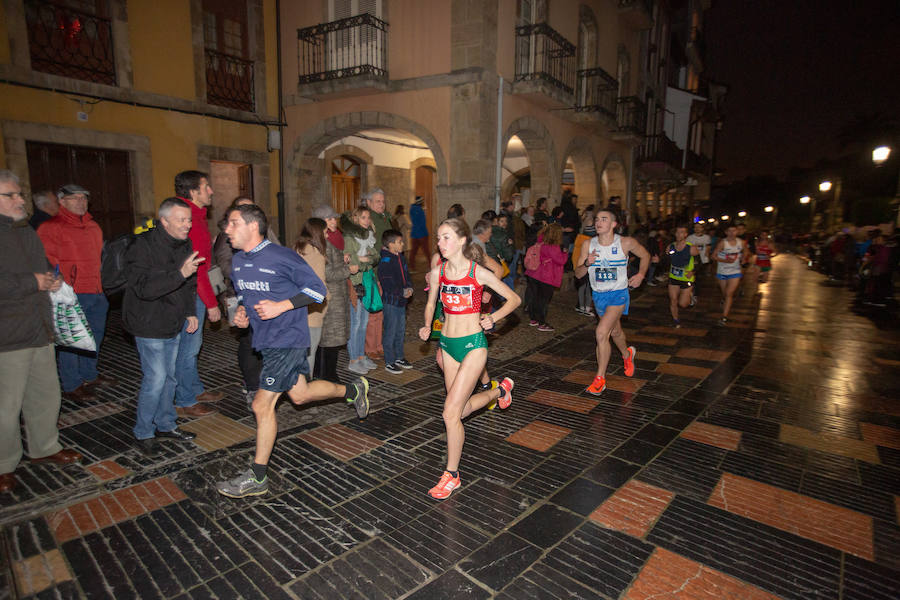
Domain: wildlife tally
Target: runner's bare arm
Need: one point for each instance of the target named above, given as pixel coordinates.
(715, 254)
(629, 244)
(588, 258)
(433, 285)
(487, 278)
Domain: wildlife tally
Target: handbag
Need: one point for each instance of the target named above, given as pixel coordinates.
(70, 325)
(372, 299)
(217, 279)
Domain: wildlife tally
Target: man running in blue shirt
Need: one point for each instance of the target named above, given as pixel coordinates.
(274, 286)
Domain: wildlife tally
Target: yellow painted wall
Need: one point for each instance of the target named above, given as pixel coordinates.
(418, 38)
(161, 48)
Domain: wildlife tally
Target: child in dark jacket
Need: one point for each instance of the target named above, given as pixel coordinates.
(396, 288)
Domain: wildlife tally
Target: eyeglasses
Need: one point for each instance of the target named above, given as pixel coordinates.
(12, 194)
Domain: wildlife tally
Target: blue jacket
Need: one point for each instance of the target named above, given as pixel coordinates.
(394, 277)
(419, 226)
(272, 272)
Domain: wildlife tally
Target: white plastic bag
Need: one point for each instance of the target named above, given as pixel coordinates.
(70, 325)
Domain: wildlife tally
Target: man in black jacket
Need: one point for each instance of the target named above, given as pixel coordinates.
(29, 386)
(158, 299)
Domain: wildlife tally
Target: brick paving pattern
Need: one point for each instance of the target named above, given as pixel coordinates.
(756, 461)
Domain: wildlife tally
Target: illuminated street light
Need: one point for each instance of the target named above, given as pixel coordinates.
(825, 186)
(804, 200)
(702, 222)
(880, 154)
(743, 213)
(769, 208)
(725, 217)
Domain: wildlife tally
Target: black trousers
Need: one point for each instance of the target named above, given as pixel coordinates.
(540, 300)
(326, 363)
(249, 360)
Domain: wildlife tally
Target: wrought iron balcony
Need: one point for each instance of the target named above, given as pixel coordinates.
(543, 54)
(660, 149)
(597, 91)
(631, 116)
(71, 43)
(229, 81)
(342, 49)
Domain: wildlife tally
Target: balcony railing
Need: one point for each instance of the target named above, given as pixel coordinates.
(344, 48)
(229, 81)
(544, 54)
(597, 91)
(67, 42)
(631, 115)
(659, 148)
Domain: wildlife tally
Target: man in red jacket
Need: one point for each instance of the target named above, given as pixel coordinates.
(193, 187)
(73, 242)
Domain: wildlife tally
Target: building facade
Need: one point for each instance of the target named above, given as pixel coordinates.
(120, 95)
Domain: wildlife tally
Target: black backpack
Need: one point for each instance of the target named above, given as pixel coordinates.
(112, 263)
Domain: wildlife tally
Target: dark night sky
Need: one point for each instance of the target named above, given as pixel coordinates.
(797, 70)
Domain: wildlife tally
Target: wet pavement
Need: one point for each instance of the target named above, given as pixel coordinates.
(757, 460)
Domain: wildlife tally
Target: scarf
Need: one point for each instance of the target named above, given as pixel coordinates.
(336, 238)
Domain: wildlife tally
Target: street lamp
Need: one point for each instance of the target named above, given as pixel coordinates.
(769, 208)
(880, 154)
(804, 200)
(743, 213)
(725, 217)
(825, 186)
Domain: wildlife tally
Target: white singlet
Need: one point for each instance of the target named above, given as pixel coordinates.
(701, 241)
(727, 253)
(609, 271)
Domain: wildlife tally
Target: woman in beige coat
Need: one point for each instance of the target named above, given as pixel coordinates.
(310, 246)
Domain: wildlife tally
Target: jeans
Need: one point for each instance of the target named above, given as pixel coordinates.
(584, 294)
(155, 411)
(188, 384)
(80, 366)
(514, 266)
(359, 318)
(394, 333)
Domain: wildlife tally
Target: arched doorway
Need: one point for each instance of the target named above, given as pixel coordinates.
(426, 186)
(614, 180)
(528, 144)
(345, 183)
(579, 172)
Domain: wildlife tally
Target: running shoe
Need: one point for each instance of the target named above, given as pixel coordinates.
(579, 310)
(403, 364)
(506, 398)
(368, 363)
(545, 327)
(723, 320)
(445, 486)
(597, 386)
(676, 324)
(358, 394)
(396, 370)
(693, 301)
(629, 361)
(533, 323)
(243, 485)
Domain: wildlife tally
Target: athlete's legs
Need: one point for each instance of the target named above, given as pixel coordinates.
(438, 357)
(609, 323)
(266, 424)
(729, 289)
(460, 379)
(684, 296)
(673, 300)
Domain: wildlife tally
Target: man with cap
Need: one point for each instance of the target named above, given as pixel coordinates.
(73, 243)
(30, 387)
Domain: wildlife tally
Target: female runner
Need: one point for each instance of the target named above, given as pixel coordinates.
(765, 250)
(459, 281)
(730, 253)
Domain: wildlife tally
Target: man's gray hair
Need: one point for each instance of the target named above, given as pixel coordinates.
(168, 204)
(43, 198)
(8, 176)
(375, 191)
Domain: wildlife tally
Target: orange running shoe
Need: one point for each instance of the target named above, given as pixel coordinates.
(445, 486)
(597, 386)
(506, 399)
(629, 361)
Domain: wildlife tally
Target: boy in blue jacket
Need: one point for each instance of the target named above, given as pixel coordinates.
(396, 288)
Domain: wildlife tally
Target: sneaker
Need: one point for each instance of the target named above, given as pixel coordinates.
(590, 312)
(533, 323)
(243, 485)
(723, 320)
(368, 363)
(444, 487)
(506, 398)
(693, 301)
(676, 324)
(357, 366)
(545, 327)
(629, 361)
(579, 310)
(403, 364)
(652, 283)
(597, 386)
(358, 394)
(393, 368)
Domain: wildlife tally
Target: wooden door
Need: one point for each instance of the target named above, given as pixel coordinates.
(345, 184)
(245, 180)
(105, 173)
(425, 178)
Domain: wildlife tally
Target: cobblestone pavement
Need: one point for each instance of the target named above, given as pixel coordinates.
(757, 460)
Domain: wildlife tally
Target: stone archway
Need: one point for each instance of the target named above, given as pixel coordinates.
(545, 177)
(614, 178)
(582, 155)
(307, 180)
